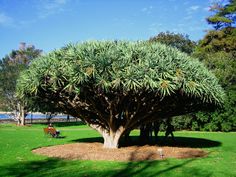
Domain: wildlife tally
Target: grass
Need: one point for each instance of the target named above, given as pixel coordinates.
(16, 158)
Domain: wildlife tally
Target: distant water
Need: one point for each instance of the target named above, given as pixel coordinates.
(4, 116)
(34, 116)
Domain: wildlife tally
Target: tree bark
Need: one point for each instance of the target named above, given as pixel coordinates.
(21, 116)
(111, 137)
(111, 140)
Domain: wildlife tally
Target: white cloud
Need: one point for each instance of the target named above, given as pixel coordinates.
(189, 17)
(186, 2)
(23, 23)
(193, 8)
(5, 20)
(196, 28)
(61, 1)
(214, 1)
(206, 8)
(43, 9)
(147, 10)
(49, 7)
(144, 9)
(180, 25)
(156, 28)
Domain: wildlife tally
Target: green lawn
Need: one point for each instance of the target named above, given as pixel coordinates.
(16, 158)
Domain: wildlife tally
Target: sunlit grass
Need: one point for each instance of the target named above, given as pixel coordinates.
(16, 158)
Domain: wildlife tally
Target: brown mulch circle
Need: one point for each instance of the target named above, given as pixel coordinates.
(95, 151)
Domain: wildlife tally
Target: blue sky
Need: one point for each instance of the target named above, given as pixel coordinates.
(51, 24)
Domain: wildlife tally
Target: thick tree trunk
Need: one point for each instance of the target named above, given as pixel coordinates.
(22, 118)
(146, 133)
(18, 121)
(111, 141)
(21, 114)
(111, 137)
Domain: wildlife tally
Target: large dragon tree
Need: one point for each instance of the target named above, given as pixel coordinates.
(117, 86)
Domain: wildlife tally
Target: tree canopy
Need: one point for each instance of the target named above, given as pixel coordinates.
(180, 41)
(10, 67)
(223, 37)
(218, 40)
(218, 50)
(116, 86)
(224, 15)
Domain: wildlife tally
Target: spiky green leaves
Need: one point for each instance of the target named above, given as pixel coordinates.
(121, 66)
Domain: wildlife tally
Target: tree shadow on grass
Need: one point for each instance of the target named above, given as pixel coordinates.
(178, 142)
(89, 140)
(31, 168)
(64, 124)
(61, 136)
(188, 142)
(57, 167)
(67, 124)
(149, 168)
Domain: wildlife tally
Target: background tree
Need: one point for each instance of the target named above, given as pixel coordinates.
(117, 86)
(223, 40)
(223, 66)
(224, 14)
(223, 37)
(10, 68)
(218, 51)
(179, 41)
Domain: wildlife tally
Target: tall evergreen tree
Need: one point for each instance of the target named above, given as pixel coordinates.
(224, 14)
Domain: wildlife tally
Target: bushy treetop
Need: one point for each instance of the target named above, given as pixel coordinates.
(177, 40)
(120, 66)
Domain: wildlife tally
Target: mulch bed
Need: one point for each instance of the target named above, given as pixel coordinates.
(95, 151)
